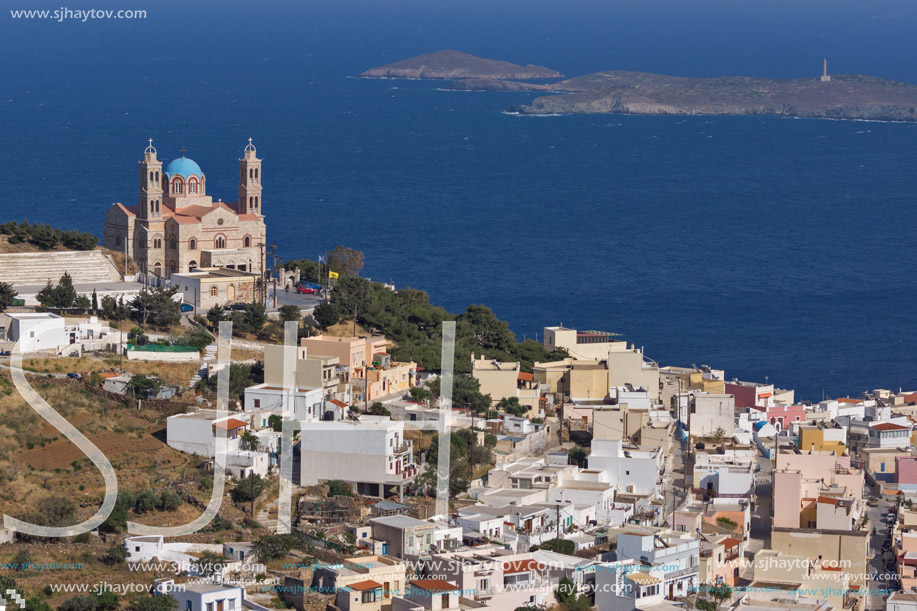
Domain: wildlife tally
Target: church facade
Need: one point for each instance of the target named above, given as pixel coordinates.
(176, 227)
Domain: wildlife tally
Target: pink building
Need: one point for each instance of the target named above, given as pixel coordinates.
(782, 416)
(751, 394)
(906, 473)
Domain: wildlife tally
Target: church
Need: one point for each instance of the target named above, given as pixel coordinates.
(176, 227)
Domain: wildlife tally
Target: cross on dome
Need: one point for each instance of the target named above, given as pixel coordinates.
(150, 148)
(250, 146)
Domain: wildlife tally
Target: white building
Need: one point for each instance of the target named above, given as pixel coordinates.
(633, 471)
(207, 597)
(370, 453)
(196, 433)
(711, 414)
(302, 404)
(672, 557)
(37, 331)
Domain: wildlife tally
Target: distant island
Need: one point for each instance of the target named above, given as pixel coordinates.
(843, 96)
(450, 65)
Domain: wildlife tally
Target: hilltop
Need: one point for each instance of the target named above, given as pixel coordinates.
(843, 97)
(450, 64)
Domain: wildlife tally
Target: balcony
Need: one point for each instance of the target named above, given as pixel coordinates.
(403, 447)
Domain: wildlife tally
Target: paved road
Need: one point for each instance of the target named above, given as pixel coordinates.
(304, 302)
(877, 582)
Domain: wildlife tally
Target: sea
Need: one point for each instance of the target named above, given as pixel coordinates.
(780, 250)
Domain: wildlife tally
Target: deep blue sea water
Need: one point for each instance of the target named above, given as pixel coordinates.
(768, 247)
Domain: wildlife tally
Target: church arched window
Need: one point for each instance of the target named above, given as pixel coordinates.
(192, 244)
(251, 173)
(151, 176)
(176, 185)
(192, 266)
(256, 203)
(246, 241)
(192, 185)
(157, 178)
(172, 242)
(172, 267)
(157, 269)
(251, 202)
(256, 174)
(220, 242)
(213, 291)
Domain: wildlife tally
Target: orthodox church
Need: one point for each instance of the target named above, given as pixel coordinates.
(176, 227)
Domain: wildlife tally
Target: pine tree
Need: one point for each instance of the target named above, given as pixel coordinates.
(95, 302)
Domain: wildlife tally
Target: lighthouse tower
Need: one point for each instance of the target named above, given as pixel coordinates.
(824, 72)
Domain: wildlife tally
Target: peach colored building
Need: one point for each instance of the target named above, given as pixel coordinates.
(176, 227)
(720, 560)
(817, 490)
(352, 352)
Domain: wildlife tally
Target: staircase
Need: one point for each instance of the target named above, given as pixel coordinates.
(210, 357)
(267, 516)
(37, 268)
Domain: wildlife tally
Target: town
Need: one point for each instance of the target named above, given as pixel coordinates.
(579, 473)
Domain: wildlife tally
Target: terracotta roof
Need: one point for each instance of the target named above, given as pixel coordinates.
(729, 542)
(127, 210)
(230, 425)
(248, 217)
(362, 586)
(526, 377)
(911, 398)
(434, 585)
(849, 400)
(888, 426)
(520, 566)
(338, 403)
(827, 500)
(184, 220)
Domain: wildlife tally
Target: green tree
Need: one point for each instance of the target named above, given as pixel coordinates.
(147, 501)
(95, 302)
(156, 307)
(345, 261)
(7, 295)
(577, 455)
(215, 315)
(419, 393)
(54, 511)
(114, 310)
(338, 487)
(143, 387)
(307, 269)
(378, 409)
(275, 421)
(196, 336)
(153, 603)
(289, 313)
(44, 237)
(511, 406)
(248, 489)
(248, 441)
(80, 602)
(240, 378)
(251, 319)
(326, 315)
(64, 293)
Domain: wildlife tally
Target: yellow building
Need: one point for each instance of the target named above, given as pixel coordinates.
(813, 437)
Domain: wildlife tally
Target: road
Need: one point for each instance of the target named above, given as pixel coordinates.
(304, 302)
(875, 587)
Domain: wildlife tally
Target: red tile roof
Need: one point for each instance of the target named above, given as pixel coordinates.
(729, 542)
(338, 403)
(526, 377)
(849, 400)
(230, 425)
(888, 426)
(434, 585)
(911, 398)
(362, 586)
(827, 500)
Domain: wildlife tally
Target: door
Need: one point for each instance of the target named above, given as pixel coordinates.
(219, 605)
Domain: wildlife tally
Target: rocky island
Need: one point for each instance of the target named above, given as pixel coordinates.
(450, 64)
(841, 96)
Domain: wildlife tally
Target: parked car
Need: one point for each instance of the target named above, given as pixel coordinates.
(74, 376)
(308, 290)
(186, 307)
(873, 502)
(235, 306)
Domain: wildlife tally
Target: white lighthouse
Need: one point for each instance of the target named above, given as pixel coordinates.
(824, 72)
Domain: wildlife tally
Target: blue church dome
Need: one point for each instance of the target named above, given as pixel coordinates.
(182, 167)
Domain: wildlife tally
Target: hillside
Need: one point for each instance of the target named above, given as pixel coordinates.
(450, 64)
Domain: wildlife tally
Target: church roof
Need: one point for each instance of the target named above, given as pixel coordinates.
(182, 167)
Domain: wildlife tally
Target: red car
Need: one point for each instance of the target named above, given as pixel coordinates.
(306, 290)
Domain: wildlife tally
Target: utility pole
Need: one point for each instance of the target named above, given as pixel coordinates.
(274, 272)
(557, 524)
(261, 280)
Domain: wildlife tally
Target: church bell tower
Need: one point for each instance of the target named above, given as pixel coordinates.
(150, 184)
(250, 181)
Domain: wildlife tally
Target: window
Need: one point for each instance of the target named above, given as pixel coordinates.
(256, 174)
(231, 604)
(213, 291)
(192, 244)
(257, 403)
(209, 606)
(251, 173)
(136, 548)
(157, 243)
(117, 240)
(177, 188)
(369, 596)
(246, 241)
(172, 242)
(192, 185)
(220, 242)
(187, 605)
(256, 203)
(192, 266)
